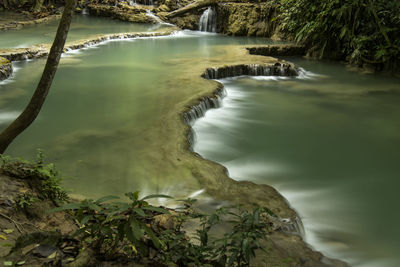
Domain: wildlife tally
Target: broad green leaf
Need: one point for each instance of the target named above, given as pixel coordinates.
(153, 237)
(156, 209)
(86, 219)
(137, 231)
(106, 198)
(94, 206)
(128, 232)
(140, 212)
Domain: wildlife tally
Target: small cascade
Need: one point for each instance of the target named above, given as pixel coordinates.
(277, 69)
(205, 104)
(157, 19)
(132, 3)
(208, 21)
(85, 11)
(292, 226)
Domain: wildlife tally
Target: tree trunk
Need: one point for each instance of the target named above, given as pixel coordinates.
(192, 6)
(33, 108)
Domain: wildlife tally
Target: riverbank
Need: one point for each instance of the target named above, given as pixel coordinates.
(11, 20)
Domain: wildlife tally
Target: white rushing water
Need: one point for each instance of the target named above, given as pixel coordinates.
(334, 238)
(208, 21)
(157, 19)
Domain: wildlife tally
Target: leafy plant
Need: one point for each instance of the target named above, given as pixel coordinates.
(45, 176)
(107, 226)
(360, 31)
(25, 200)
(112, 227)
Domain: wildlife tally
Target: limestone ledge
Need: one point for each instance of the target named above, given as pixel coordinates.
(5, 68)
(278, 50)
(39, 51)
(18, 24)
(287, 239)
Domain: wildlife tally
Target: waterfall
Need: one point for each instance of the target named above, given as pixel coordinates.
(208, 21)
(132, 3)
(157, 19)
(85, 11)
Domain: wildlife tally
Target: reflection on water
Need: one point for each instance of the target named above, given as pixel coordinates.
(102, 121)
(329, 143)
(326, 145)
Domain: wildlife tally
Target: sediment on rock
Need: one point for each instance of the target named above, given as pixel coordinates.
(247, 19)
(6, 68)
(278, 50)
(236, 18)
(122, 12)
(19, 21)
(42, 51)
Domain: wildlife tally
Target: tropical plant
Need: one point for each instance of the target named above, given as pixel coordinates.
(360, 31)
(45, 176)
(108, 226)
(113, 227)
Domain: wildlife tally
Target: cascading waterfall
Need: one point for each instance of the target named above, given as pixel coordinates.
(85, 11)
(294, 225)
(208, 21)
(157, 19)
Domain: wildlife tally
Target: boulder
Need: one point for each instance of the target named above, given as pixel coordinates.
(6, 68)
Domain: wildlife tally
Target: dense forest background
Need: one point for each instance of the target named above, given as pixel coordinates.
(365, 33)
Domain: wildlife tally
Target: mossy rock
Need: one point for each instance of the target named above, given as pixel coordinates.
(4, 61)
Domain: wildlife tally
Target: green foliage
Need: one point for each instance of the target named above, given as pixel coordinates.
(361, 31)
(25, 200)
(46, 175)
(112, 227)
(108, 226)
(239, 245)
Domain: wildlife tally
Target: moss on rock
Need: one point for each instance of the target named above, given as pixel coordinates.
(122, 12)
(5, 68)
(247, 19)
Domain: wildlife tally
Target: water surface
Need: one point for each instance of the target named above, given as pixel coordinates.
(82, 27)
(105, 111)
(330, 143)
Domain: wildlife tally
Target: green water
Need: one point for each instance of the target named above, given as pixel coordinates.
(82, 27)
(104, 104)
(330, 144)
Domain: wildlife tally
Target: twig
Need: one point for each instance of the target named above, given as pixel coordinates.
(10, 219)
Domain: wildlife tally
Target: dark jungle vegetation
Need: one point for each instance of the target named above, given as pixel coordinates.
(358, 31)
(140, 232)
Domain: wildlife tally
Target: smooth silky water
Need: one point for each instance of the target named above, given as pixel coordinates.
(329, 141)
(82, 27)
(102, 119)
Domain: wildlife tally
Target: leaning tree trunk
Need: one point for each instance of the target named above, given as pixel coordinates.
(33, 108)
